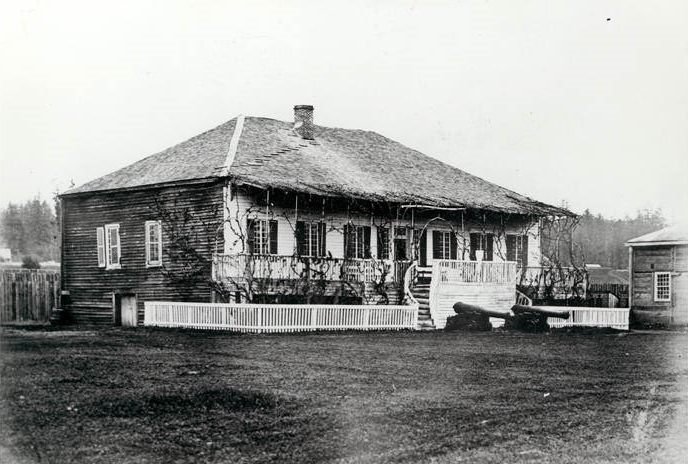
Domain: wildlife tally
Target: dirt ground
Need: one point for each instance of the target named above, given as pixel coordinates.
(158, 396)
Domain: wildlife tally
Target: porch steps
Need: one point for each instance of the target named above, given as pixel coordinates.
(421, 292)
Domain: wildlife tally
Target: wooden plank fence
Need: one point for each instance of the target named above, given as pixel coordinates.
(259, 318)
(28, 295)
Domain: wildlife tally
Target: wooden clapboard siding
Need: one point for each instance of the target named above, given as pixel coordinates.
(28, 295)
(91, 288)
(647, 260)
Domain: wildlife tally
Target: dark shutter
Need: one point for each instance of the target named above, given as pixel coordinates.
(436, 244)
(474, 237)
(349, 252)
(511, 248)
(366, 241)
(251, 235)
(382, 243)
(322, 232)
(273, 237)
(524, 252)
(300, 234)
(489, 247)
(452, 246)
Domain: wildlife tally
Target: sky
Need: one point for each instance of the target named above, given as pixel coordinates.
(581, 102)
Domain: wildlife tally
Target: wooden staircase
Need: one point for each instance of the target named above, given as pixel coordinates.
(419, 289)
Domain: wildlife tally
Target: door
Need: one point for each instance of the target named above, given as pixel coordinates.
(423, 250)
(128, 310)
(125, 310)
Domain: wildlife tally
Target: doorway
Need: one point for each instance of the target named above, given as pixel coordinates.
(125, 309)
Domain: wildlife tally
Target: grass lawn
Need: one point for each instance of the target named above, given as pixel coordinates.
(156, 396)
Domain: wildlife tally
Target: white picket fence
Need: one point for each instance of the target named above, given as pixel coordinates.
(615, 318)
(263, 318)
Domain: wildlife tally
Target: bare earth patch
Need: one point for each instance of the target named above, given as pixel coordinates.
(156, 396)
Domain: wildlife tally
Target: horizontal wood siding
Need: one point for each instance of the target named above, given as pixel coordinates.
(196, 212)
(648, 260)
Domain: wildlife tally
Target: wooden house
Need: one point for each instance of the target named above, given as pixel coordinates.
(261, 210)
(658, 263)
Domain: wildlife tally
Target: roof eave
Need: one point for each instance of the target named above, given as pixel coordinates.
(658, 243)
(203, 180)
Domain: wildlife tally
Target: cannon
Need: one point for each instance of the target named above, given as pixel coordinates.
(519, 317)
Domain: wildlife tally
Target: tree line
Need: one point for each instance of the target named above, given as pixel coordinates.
(30, 230)
(601, 240)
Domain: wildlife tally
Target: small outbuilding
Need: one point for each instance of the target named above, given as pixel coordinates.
(658, 263)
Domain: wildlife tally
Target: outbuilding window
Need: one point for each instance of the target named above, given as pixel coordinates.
(662, 286)
(153, 243)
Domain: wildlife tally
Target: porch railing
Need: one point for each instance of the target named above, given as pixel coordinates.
(238, 266)
(450, 271)
(279, 318)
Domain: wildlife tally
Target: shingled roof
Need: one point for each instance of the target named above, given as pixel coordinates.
(672, 235)
(337, 162)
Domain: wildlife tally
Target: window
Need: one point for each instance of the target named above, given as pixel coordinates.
(382, 242)
(153, 243)
(262, 236)
(481, 242)
(517, 249)
(443, 245)
(356, 241)
(311, 239)
(662, 286)
(112, 247)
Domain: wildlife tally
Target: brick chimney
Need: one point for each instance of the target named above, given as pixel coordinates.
(303, 121)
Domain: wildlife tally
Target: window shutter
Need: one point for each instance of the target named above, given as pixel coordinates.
(366, 241)
(250, 235)
(489, 247)
(511, 248)
(273, 237)
(100, 234)
(474, 244)
(322, 232)
(300, 234)
(347, 241)
(453, 246)
(381, 243)
(524, 251)
(436, 245)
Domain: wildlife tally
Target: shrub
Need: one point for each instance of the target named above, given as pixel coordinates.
(30, 262)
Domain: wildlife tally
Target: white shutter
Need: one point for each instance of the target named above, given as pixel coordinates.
(100, 233)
